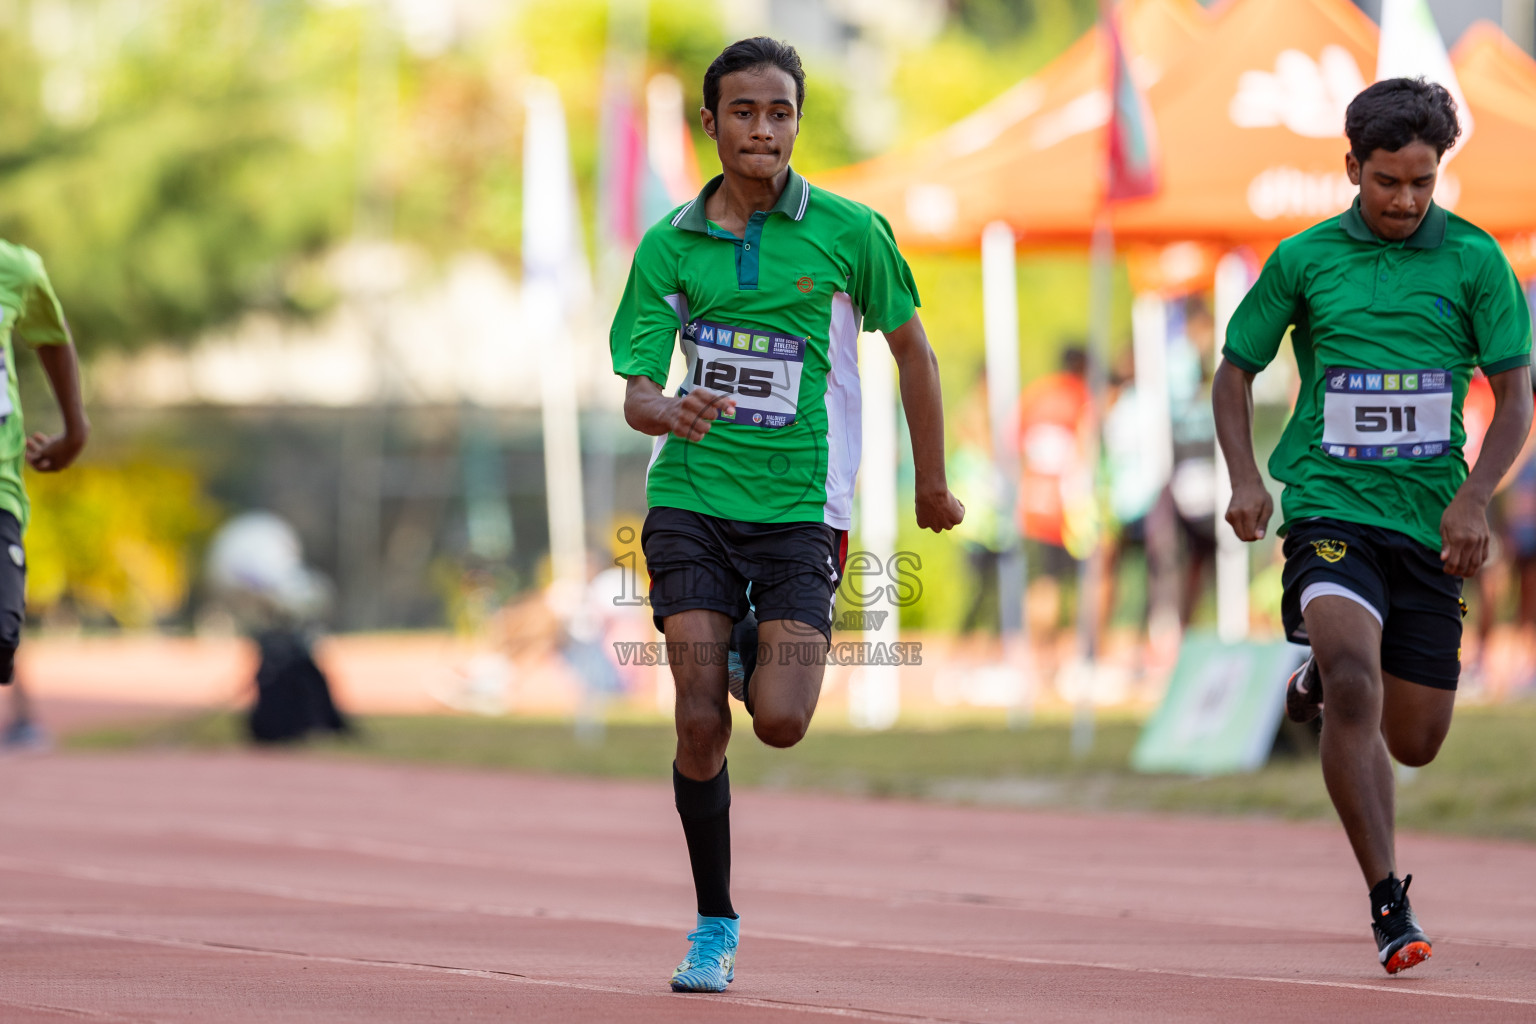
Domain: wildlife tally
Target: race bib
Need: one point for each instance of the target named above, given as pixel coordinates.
(1378, 415)
(760, 368)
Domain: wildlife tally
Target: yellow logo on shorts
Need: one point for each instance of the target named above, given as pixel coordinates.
(1330, 550)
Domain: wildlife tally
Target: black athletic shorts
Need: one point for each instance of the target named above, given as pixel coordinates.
(702, 561)
(1403, 581)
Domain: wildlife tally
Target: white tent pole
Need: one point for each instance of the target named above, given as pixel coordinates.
(550, 244)
(874, 691)
(1232, 283)
(1000, 310)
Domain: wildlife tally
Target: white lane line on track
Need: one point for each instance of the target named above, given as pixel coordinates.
(71, 1011)
(389, 850)
(108, 875)
(468, 972)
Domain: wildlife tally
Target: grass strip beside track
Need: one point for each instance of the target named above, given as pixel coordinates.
(1481, 784)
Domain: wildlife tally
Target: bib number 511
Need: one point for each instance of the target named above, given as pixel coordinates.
(1378, 419)
(727, 378)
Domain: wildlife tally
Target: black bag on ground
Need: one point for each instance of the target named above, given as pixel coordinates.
(293, 697)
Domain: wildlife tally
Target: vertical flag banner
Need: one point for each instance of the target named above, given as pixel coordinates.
(555, 284)
(672, 172)
(1411, 46)
(621, 172)
(646, 168)
(1132, 136)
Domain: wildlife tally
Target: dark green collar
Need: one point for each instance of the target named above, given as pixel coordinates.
(792, 203)
(1428, 235)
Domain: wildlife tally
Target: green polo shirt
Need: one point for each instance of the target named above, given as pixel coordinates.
(28, 308)
(772, 317)
(1386, 338)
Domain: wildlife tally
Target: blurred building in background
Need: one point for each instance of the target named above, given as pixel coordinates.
(1516, 17)
(303, 290)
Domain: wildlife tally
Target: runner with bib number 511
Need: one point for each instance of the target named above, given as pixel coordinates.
(1394, 303)
(768, 280)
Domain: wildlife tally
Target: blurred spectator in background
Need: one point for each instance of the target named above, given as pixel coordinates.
(256, 568)
(575, 628)
(1055, 488)
(1192, 489)
(1492, 579)
(982, 532)
(591, 622)
(1518, 513)
(1133, 487)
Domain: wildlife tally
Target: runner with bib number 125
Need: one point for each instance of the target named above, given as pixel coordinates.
(766, 281)
(1394, 304)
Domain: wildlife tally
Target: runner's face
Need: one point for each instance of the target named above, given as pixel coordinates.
(755, 132)
(1395, 187)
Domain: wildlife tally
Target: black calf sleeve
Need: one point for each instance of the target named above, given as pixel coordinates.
(705, 808)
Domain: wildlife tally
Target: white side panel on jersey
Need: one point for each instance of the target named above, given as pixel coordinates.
(844, 411)
(679, 303)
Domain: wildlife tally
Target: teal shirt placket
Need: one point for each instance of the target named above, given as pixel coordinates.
(749, 245)
(748, 249)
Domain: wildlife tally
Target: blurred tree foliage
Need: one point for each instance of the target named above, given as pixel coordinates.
(174, 161)
(178, 162)
(115, 541)
(1002, 22)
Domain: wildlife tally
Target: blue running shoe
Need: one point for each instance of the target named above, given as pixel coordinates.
(711, 961)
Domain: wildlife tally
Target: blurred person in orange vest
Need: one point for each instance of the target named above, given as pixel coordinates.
(1055, 486)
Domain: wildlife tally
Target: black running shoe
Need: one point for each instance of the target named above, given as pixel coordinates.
(1304, 692)
(742, 659)
(1400, 943)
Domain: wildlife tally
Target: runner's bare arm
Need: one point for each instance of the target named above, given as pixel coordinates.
(1464, 525)
(937, 509)
(1526, 453)
(51, 454)
(1232, 402)
(650, 411)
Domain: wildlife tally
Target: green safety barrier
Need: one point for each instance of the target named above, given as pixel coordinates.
(1222, 709)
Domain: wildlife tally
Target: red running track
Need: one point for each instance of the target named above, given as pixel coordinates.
(231, 888)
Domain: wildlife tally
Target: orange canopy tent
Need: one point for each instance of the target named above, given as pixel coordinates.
(1251, 125)
(1499, 81)
(1249, 108)
(1035, 156)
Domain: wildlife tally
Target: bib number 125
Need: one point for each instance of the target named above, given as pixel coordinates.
(724, 376)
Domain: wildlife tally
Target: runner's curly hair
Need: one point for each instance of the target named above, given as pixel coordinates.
(1395, 112)
(748, 55)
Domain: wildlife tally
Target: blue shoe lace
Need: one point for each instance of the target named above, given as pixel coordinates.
(702, 964)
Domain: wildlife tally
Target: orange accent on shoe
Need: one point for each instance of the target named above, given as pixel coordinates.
(1413, 953)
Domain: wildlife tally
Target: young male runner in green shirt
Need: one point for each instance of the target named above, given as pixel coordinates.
(768, 280)
(1394, 304)
(29, 310)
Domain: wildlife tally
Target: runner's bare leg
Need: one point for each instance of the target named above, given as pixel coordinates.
(787, 684)
(703, 705)
(1346, 641)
